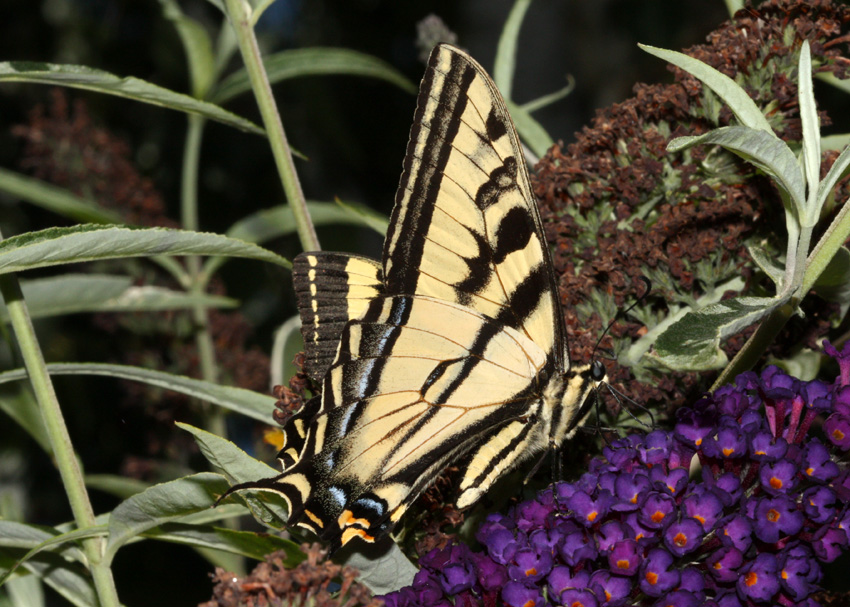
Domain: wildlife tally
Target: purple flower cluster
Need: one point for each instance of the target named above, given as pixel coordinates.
(738, 506)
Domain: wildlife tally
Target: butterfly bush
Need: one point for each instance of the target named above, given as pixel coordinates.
(750, 525)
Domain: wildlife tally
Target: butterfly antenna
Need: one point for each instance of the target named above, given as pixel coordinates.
(622, 313)
(620, 397)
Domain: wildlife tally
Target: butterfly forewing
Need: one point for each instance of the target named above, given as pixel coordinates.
(465, 226)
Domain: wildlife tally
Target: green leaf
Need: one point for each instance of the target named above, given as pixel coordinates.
(530, 131)
(25, 591)
(246, 543)
(90, 79)
(383, 566)
(53, 198)
(693, 343)
(287, 343)
(248, 403)
(316, 61)
(768, 265)
(278, 221)
(113, 484)
(835, 142)
(70, 580)
(811, 133)
(550, 98)
(274, 222)
(356, 213)
(160, 504)
(55, 246)
(504, 65)
(19, 535)
(198, 47)
(744, 108)
(266, 507)
(764, 150)
(18, 403)
(76, 293)
(837, 171)
(833, 284)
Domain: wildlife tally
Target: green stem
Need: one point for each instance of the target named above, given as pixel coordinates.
(204, 344)
(239, 13)
(57, 432)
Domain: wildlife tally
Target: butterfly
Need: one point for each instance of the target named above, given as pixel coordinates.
(451, 349)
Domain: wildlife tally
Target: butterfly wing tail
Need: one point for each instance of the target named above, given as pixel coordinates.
(289, 485)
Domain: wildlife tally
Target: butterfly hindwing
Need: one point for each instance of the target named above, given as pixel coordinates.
(465, 226)
(417, 382)
(331, 289)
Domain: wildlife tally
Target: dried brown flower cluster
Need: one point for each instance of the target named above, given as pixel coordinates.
(316, 582)
(618, 206)
(63, 146)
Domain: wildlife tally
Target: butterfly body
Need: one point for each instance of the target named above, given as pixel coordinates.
(451, 349)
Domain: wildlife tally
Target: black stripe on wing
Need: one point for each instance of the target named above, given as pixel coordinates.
(331, 289)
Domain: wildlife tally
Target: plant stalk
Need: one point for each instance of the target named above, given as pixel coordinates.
(239, 13)
(57, 432)
(215, 422)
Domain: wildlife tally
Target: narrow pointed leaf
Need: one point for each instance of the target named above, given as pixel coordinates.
(76, 293)
(196, 44)
(278, 221)
(744, 108)
(504, 65)
(70, 580)
(837, 171)
(549, 98)
(247, 402)
(768, 153)
(53, 198)
(693, 343)
(530, 131)
(55, 246)
(246, 543)
(241, 467)
(87, 78)
(11, 535)
(316, 61)
(811, 131)
(19, 404)
(113, 484)
(160, 504)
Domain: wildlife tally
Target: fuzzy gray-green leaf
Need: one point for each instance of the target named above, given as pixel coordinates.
(693, 343)
(764, 150)
(744, 108)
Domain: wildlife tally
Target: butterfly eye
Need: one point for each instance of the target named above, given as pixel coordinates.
(597, 371)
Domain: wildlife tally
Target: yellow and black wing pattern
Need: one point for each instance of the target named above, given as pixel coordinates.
(449, 351)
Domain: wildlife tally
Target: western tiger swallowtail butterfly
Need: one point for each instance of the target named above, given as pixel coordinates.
(451, 349)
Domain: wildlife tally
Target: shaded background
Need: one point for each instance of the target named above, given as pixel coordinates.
(353, 130)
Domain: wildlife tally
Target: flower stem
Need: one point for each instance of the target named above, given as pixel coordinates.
(214, 417)
(57, 432)
(239, 13)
